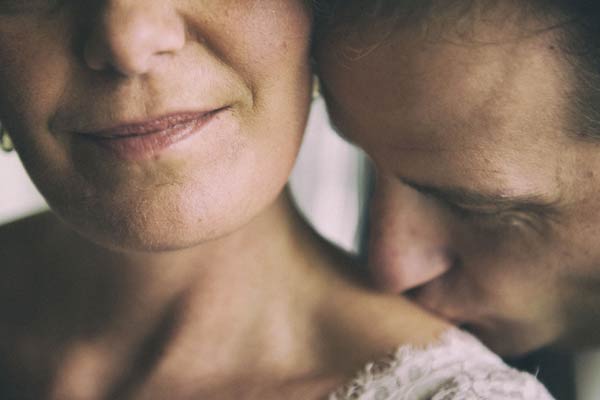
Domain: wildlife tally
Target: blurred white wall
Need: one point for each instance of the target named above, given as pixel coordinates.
(325, 182)
(18, 196)
(328, 181)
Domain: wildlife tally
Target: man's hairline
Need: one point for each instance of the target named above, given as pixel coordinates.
(574, 128)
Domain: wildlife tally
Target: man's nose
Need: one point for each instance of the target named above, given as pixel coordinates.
(130, 37)
(409, 242)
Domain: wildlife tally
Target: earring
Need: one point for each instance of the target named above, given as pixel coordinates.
(316, 89)
(6, 143)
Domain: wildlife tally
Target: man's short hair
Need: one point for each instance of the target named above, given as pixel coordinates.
(574, 23)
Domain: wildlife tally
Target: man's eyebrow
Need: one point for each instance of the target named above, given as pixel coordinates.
(466, 197)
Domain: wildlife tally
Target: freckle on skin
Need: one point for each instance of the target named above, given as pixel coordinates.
(589, 174)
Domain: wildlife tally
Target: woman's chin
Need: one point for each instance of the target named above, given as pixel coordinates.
(149, 228)
(168, 205)
(133, 238)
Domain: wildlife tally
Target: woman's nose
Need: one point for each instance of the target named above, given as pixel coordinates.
(131, 37)
(409, 242)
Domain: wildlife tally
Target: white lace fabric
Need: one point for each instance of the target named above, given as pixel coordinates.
(458, 367)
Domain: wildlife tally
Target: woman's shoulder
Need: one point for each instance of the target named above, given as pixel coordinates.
(23, 300)
(29, 255)
(366, 322)
(23, 243)
(456, 367)
(35, 266)
(433, 360)
(24, 250)
(23, 237)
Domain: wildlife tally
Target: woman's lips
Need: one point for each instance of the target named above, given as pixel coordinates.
(137, 141)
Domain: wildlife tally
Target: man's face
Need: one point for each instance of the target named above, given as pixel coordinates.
(487, 208)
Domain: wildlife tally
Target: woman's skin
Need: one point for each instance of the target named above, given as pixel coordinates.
(178, 272)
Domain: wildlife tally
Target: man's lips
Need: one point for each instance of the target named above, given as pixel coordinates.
(142, 140)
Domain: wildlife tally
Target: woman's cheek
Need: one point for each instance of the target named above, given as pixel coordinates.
(34, 73)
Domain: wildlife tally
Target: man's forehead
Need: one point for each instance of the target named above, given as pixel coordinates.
(493, 121)
(484, 113)
(486, 168)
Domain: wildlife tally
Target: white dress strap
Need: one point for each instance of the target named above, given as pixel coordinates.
(458, 367)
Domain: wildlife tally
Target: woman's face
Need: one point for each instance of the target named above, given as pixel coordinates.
(155, 124)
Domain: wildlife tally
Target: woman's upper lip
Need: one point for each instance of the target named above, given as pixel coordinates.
(145, 127)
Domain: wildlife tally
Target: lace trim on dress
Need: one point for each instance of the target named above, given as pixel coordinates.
(458, 367)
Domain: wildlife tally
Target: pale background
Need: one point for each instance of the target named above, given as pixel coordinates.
(328, 183)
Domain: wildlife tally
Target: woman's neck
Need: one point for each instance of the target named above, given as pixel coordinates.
(225, 301)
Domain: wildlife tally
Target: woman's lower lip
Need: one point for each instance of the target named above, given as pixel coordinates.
(139, 147)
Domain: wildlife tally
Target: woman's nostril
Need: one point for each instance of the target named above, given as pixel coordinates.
(129, 40)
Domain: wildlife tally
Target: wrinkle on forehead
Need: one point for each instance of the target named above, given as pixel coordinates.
(506, 171)
(489, 112)
(487, 115)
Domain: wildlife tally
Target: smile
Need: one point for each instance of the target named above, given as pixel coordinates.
(141, 140)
